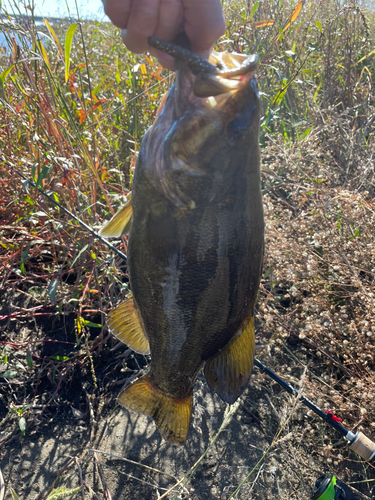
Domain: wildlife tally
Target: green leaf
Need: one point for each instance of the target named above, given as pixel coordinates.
(317, 23)
(29, 359)
(79, 254)
(366, 56)
(23, 259)
(3, 75)
(307, 131)
(52, 288)
(8, 374)
(59, 358)
(22, 424)
(68, 46)
(44, 54)
(253, 10)
(33, 170)
(89, 323)
(14, 495)
(42, 175)
(62, 492)
(316, 92)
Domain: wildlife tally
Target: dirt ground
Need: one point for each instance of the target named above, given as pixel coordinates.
(76, 435)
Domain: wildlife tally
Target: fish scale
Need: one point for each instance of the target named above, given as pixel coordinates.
(196, 236)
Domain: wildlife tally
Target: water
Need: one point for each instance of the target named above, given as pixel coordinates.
(18, 36)
(39, 21)
(15, 33)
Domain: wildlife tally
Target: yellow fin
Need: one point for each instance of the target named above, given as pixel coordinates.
(126, 324)
(228, 372)
(172, 415)
(120, 223)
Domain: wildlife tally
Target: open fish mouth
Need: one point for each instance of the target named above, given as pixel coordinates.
(206, 97)
(236, 70)
(223, 72)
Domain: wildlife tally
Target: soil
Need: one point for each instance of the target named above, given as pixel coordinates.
(69, 418)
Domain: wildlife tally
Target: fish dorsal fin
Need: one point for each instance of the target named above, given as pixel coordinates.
(120, 223)
(228, 372)
(172, 415)
(126, 324)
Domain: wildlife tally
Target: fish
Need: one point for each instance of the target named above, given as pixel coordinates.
(195, 240)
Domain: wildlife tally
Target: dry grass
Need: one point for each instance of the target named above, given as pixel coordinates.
(319, 268)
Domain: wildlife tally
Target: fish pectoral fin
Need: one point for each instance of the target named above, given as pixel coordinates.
(120, 223)
(228, 372)
(171, 415)
(126, 324)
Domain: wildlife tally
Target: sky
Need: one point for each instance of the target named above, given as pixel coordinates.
(59, 8)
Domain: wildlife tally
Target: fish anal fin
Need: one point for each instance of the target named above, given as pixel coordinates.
(171, 415)
(126, 324)
(228, 372)
(120, 223)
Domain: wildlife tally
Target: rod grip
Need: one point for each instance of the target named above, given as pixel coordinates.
(363, 446)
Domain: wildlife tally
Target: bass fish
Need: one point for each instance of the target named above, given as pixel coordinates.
(196, 239)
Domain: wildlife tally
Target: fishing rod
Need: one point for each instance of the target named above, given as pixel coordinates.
(358, 442)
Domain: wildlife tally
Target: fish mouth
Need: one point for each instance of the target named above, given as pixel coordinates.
(212, 81)
(210, 100)
(234, 73)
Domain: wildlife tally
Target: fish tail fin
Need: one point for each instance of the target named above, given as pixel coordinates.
(228, 372)
(171, 415)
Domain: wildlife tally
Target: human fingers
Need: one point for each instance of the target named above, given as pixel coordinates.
(170, 21)
(118, 11)
(204, 23)
(142, 23)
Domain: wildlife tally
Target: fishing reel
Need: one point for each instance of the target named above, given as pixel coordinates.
(327, 487)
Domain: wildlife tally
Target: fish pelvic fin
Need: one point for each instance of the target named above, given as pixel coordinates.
(171, 415)
(126, 324)
(228, 372)
(120, 223)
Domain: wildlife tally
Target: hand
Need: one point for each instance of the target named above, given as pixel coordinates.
(202, 20)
